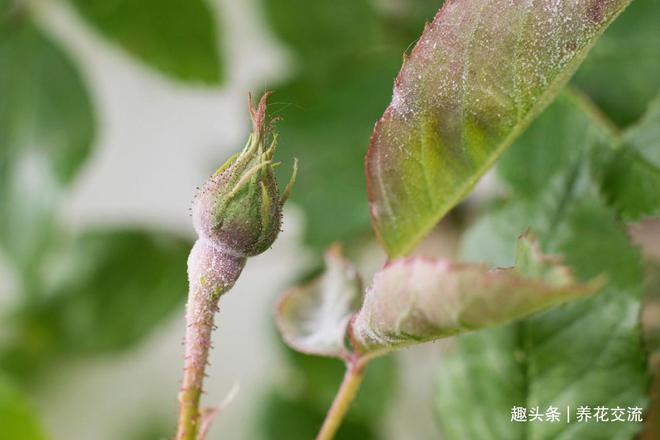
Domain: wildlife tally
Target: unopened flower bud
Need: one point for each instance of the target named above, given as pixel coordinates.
(239, 208)
(237, 214)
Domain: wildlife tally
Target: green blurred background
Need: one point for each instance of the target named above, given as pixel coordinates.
(113, 111)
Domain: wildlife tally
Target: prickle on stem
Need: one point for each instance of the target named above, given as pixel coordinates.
(237, 214)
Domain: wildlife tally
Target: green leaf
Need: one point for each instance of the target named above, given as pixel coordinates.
(630, 176)
(477, 77)
(621, 72)
(625, 165)
(177, 37)
(113, 287)
(651, 331)
(630, 183)
(418, 300)
(106, 290)
(17, 418)
(645, 135)
(488, 367)
(7, 8)
(313, 318)
(46, 132)
(322, 32)
(593, 242)
(556, 139)
(650, 315)
(586, 353)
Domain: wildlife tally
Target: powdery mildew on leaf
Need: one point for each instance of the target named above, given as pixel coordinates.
(313, 318)
(478, 75)
(416, 300)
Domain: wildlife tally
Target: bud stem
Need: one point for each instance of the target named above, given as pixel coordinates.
(198, 338)
(205, 291)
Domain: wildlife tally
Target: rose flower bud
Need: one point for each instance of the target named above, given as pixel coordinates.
(239, 208)
(237, 212)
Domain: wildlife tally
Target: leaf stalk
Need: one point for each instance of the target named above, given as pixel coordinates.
(345, 396)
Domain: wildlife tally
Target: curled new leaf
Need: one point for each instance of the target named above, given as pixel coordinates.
(478, 75)
(313, 318)
(417, 300)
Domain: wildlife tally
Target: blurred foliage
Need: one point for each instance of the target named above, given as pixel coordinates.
(651, 329)
(348, 53)
(486, 366)
(17, 419)
(104, 291)
(622, 72)
(557, 367)
(46, 132)
(81, 293)
(152, 427)
(294, 419)
(630, 176)
(295, 411)
(550, 144)
(178, 37)
(650, 319)
(324, 33)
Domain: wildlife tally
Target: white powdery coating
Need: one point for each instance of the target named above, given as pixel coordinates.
(416, 300)
(478, 75)
(211, 272)
(210, 266)
(313, 318)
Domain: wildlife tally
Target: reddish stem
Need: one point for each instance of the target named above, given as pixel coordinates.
(211, 272)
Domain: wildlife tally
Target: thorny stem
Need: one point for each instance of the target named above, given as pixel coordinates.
(203, 297)
(345, 395)
(198, 337)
